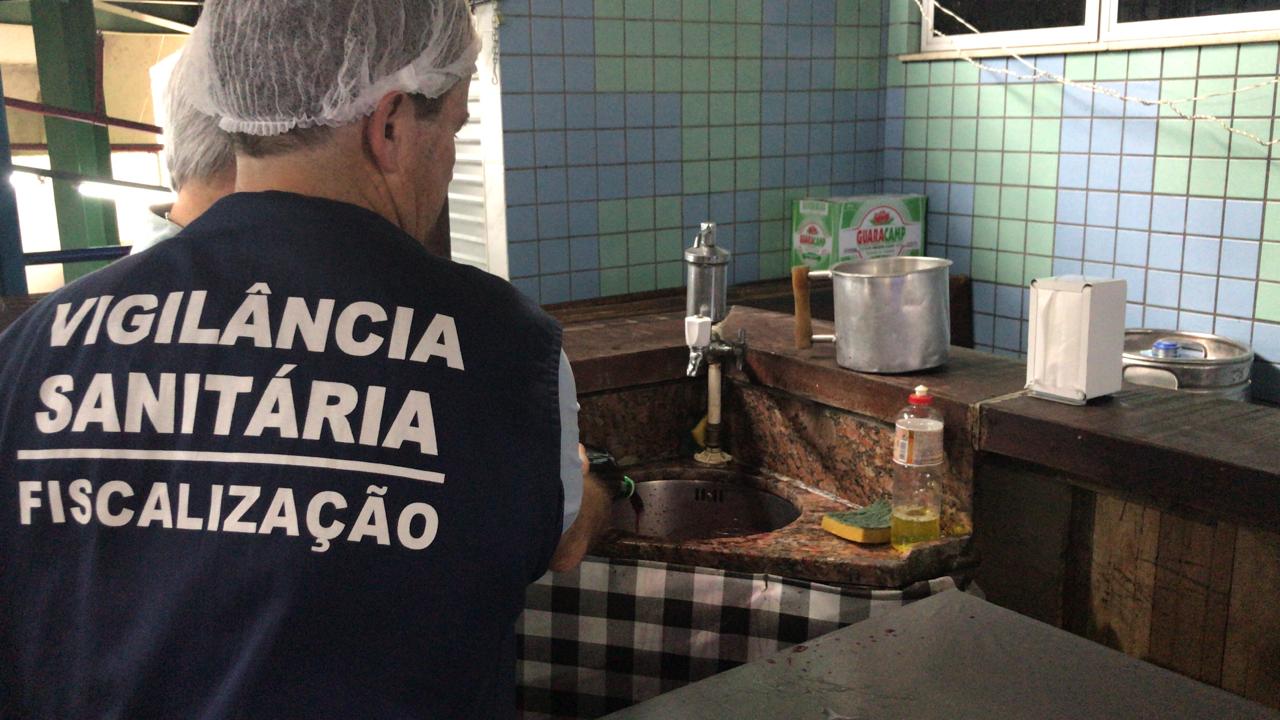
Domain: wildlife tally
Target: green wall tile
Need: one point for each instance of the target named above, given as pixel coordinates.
(1208, 177)
(1257, 59)
(895, 73)
(983, 264)
(1111, 66)
(1209, 139)
(1246, 179)
(965, 73)
(1013, 236)
(775, 235)
(1013, 202)
(869, 75)
(696, 38)
(986, 232)
(720, 109)
(1269, 264)
(1018, 100)
(724, 12)
(1037, 267)
(991, 100)
(962, 167)
(749, 41)
(1040, 238)
(915, 133)
(848, 41)
(609, 37)
(938, 166)
(1218, 60)
(1257, 101)
(695, 108)
(639, 74)
(941, 72)
(749, 11)
(917, 102)
(1047, 100)
(1044, 169)
(608, 8)
(1009, 268)
(639, 37)
(638, 9)
(1080, 66)
(697, 10)
(609, 75)
(986, 200)
(1017, 134)
(913, 165)
(1220, 105)
(669, 246)
(722, 175)
(991, 134)
(1144, 64)
(696, 143)
(1273, 179)
(773, 265)
(1016, 168)
(1271, 222)
(1045, 135)
(613, 250)
(917, 73)
(939, 134)
(666, 39)
(695, 177)
(964, 134)
(670, 275)
(723, 40)
(1268, 303)
(613, 281)
(667, 9)
(1171, 175)
(846, 12)
(722, 75)
(846, 74)
(747, 141)
(1041, 204)
(987, 169)
(964, 102)
(722, 142)
(1176, 90)
(640, 214)
(666, 74)
(641, 278)
(940, 101)
(747, 108)
(1173, 137)
(667, 214)
(611, 216)
(694, 75)
(640, 248)
(1180, 62)
(772, 205)
(748, 174)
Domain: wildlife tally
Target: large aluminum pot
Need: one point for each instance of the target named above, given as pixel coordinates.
(892, 314)
(1196, 363)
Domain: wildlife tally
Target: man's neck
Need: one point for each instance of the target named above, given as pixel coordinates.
(196, 197)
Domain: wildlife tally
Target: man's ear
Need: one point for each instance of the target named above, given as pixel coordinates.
(387, 129)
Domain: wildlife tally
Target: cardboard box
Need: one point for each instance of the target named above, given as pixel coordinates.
(826, 231)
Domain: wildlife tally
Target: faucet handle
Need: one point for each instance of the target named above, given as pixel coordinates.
(697, 331)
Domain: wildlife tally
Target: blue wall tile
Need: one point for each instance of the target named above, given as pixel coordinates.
(1099, 244)
(1071, 206)
(1161, 318)
(1199, 292)
(1239, 258)
(1235, 297)
(582, 183)
(553, 220)
(1139, 137)
(553, 256)
(1200, 254)
(1102, 208)
(1131, 247)
(522, 259)
(1068, 241)
(548, 112)
(1195, 322)
(1106, 135)
(549, 148)
(555, 289)
(1104, 172)
(1168, 213)
(1242, 219)
(1135, 212)
(1166, 251)
(583, 218)
(581, 147)
(1135, 280)
(1204, 216)
(1136, 174)
(1075, 135)
(579, 37)
(610, 111)
(548, 74)
(1073, 171)
(579, 74)
(584, 253)
(1163, 288)
(580, 112)
(553, 186)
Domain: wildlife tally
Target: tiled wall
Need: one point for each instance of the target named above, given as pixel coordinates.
(628, 123)
(1031, 179)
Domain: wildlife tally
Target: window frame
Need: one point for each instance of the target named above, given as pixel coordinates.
(1102, 30)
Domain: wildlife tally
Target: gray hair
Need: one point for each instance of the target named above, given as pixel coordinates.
(197, 148)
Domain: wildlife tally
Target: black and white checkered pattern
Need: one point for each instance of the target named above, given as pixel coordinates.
(615, 632)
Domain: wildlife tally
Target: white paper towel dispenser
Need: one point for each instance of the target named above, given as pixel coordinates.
(1076, 339)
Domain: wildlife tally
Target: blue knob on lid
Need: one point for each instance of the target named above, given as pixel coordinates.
(1165, 348)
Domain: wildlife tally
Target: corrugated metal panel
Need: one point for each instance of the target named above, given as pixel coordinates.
(467, 210)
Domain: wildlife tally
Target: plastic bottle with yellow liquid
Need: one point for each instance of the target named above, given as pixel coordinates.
(917, 472)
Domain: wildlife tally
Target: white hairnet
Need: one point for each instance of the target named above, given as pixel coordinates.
(267, 66)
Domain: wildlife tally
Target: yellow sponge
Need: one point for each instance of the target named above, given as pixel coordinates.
(869, 526)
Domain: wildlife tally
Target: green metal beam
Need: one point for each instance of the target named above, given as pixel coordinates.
(13, 273)
(67, 64)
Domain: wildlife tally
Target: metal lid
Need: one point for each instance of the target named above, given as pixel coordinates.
(889, 266)
(704, 250)
(1184, 348)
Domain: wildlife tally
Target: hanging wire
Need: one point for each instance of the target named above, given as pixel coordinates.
(1041, 74)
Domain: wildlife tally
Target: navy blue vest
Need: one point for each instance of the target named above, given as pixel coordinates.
(285, 464)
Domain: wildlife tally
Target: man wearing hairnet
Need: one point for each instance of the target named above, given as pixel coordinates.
(288, 463)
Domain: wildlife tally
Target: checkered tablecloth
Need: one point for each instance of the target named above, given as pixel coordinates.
(615, 632)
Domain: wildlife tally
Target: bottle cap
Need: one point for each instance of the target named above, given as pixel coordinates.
(921, 396)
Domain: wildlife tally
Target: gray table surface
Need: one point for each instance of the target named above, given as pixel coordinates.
(948, 656)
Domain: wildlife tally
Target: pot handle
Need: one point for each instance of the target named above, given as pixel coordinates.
(800, 277)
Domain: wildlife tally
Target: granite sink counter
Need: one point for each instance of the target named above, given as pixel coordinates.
(799, 550)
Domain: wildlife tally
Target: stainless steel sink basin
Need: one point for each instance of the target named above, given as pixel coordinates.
(697, 504)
